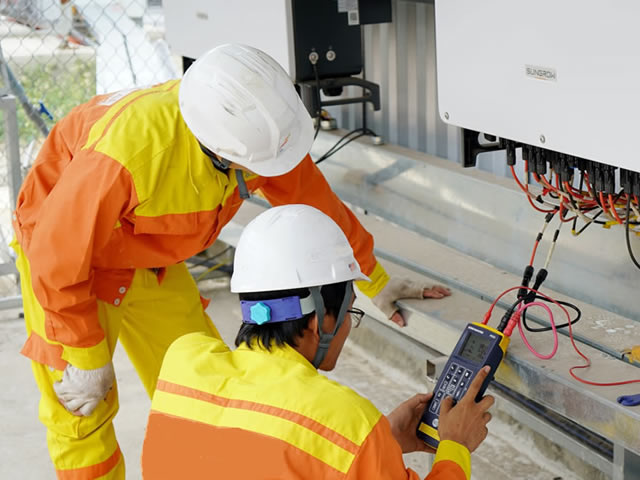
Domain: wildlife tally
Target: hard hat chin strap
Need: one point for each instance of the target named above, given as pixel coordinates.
(242, 185)
(224, 165)
(220, 163)
(326, 338)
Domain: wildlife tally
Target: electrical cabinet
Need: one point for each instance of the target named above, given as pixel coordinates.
(288, 30)
(561, 75)
(195, 26)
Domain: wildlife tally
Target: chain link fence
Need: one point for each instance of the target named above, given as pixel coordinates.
(56, 54)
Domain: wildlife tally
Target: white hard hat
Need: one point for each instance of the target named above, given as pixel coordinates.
(242, 105)
(292, 246)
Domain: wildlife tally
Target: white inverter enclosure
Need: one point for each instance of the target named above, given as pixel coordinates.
(558, 74)
(196, 26)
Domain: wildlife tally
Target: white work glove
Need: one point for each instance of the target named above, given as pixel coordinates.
(80, 391)
(397, 288)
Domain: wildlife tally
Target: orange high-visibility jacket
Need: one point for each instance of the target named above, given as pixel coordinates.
(251, 413)
(120, 184)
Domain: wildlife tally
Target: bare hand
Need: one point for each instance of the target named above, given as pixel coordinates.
(404, 422)
(437, 291)
(466, 423)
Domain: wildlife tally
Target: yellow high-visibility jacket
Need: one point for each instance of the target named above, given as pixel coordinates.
(253, 413)
(121, 184)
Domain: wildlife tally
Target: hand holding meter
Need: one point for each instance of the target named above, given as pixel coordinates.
(479, 345)
(466, 422)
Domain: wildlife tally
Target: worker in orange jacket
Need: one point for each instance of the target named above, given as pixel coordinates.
(266, 401)
(125, 188)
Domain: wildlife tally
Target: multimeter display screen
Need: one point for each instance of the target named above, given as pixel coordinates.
(475, 347)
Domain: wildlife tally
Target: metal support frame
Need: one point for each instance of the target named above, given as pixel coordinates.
(558, 436)
(9, 106)
(472, 147)
(311, 97)
(626, 464)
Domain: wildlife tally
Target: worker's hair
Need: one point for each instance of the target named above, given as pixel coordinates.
(281, 333)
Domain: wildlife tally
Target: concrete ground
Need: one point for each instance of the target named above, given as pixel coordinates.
(507, 454)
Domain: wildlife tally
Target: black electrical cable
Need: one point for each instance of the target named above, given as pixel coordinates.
(319, 107)
(580, 185)
(587, 210)
(529, 299)
(626, 232)
(599, 222)
(617, 197)
(338, 146)
(547, 329)
(344, 141)
(586, 225)
(571, 201)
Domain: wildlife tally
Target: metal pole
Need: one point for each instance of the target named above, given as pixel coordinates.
(17, 90)
(9, 105)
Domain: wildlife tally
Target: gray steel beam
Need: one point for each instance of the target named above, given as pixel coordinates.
(626, 464)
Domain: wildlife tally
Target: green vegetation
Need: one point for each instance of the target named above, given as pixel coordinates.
(61, 84)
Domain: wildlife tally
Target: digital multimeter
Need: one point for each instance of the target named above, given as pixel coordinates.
(479, 345)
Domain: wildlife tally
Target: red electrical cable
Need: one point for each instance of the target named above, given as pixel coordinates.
(588, 184)
(577, 195)
(487, 316)
(603, 204)
(515, 177)
(533, 254)
(613, 209)
(526, 191)
(551, 188)
(523, 306)
(542, 179)
(536, 177)
(562, 219)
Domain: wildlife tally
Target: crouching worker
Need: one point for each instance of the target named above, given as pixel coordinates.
(263, 410)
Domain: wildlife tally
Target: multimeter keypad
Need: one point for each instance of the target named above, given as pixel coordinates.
(478, 346)
(454, 384)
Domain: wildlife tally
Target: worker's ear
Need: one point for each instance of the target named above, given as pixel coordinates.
(313, 327)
